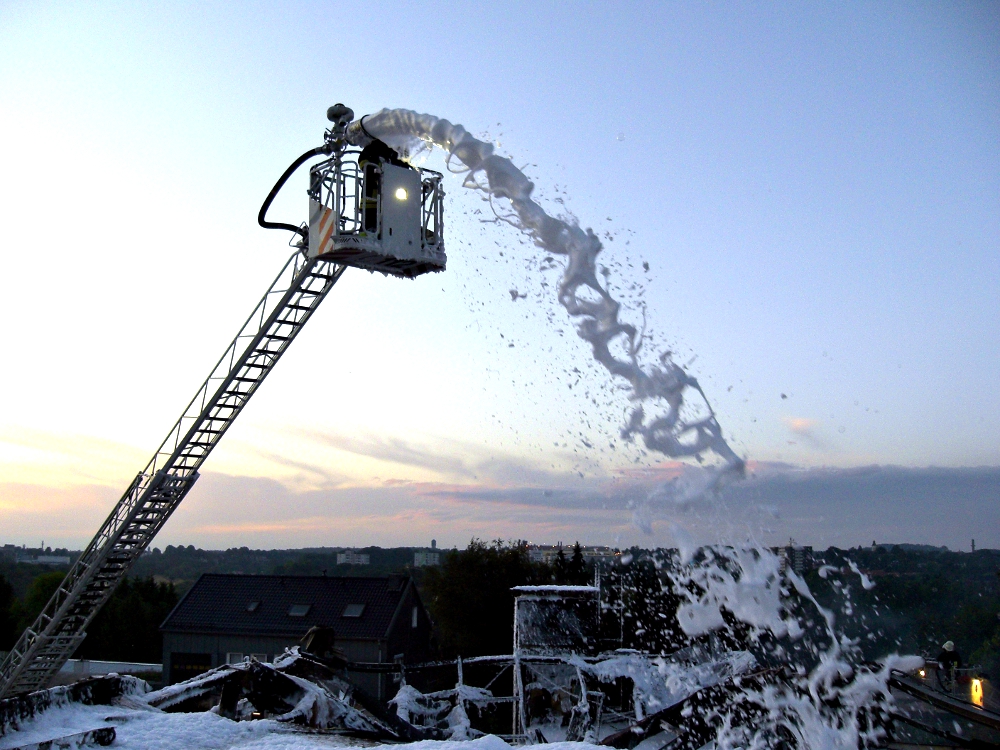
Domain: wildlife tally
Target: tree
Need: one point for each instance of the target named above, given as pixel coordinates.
(561, 567)
(577, 573)
(128, 627)
(470, 599)
(38, 595)
(8, 616)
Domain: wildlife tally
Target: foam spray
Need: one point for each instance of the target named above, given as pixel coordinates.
(663, 386)
(825, 697)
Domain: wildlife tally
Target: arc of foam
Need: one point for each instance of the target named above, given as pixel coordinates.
(597, 319)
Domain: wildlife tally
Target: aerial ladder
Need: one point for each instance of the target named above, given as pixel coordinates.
(367, 209)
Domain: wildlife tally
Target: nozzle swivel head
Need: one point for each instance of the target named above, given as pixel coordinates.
(338, 114)
(336, 136)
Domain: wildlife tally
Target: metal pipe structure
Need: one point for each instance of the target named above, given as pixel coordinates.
(160, 487)
(289, 302)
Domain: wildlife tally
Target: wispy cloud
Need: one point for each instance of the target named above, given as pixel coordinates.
(447, 458)
(474, 491)
(65, 460)
(394, 450)
(806, 430)
(326, 477)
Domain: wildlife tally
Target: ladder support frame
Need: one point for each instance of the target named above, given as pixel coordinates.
(159, 488)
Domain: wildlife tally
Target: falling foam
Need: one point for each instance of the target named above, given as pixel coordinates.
(822, 693)
(663, 386)
(824, 697)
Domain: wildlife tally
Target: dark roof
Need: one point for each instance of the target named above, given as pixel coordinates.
(220, 603)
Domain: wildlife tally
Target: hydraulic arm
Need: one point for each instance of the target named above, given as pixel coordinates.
(342, 199)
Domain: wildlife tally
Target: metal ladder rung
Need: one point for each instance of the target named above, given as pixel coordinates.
(325, 277)
(152, 497)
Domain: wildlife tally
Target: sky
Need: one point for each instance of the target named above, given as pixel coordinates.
(814, 187)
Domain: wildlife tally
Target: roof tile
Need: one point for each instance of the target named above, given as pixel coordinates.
(221, 603)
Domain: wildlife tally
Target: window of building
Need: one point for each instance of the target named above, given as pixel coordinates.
(299, 610)
(234, 657)
(353, 610)
(397, 677)
(413, 618)
(259, 657)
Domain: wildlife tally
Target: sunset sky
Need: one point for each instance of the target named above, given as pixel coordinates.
(815, 187)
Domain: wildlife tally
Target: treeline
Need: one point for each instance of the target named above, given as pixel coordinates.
(469, 595)
(921, 599)
(126, 628)
(183, 565)
(471, 602)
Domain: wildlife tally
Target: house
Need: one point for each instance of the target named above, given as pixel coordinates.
(228, 618)
(353, 558)
(426, 559)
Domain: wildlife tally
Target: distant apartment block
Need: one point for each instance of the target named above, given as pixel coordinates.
(353, 558)
(34, 556)
(795, 556)
(45, 559)
(426, 559)
(548, 553)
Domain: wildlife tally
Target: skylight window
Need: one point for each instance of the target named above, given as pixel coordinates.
(299, 610)
(353, 610)
(252, 606)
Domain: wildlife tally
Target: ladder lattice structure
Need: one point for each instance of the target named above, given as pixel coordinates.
(159, 488)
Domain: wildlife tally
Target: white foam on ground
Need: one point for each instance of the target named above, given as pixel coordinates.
(156, 730)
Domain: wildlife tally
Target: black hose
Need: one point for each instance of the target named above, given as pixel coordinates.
(277, 187)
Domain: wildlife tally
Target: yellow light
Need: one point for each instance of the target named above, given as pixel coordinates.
(401, 194)
(923, 673)
(977, 692)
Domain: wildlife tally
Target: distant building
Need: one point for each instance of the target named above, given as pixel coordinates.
(353, 558)
(795, 556)
(52, 560)
(45, 559)
(426, 559)
(547, 553)
(228, 618)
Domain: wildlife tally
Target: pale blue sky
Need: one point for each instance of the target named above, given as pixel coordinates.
(816, 188)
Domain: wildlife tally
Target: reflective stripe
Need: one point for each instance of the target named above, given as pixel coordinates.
(326, 226)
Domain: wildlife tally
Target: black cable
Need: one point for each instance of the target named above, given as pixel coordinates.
(364, 130)
(277, 187)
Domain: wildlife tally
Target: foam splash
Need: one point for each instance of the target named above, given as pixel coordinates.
(659, 392)
(827, 695)
(827, 698)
